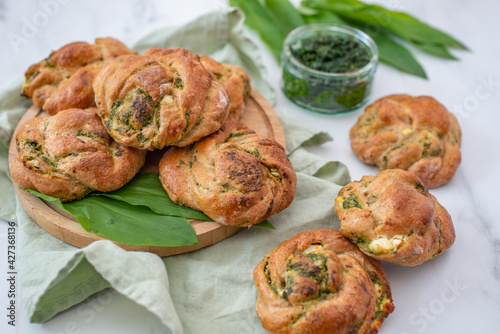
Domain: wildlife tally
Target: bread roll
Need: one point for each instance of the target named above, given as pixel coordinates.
(319, 282)
(64, 79)
(70, 154)
(164, 97)
(416, 134)
(234, 176)
(235, 81)
(392, 217)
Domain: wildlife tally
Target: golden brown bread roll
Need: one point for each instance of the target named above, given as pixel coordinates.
(234, 176)
(235, 81)
(164, 97)
(416, 134)
(64, 79)
(392, 217)
(319, 282)
(71, 154)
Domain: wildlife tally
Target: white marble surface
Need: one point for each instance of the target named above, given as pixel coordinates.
(457, 292)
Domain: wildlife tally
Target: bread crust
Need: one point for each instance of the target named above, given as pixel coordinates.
(64, 79)
(235, 82)
(392, 217)
(416, 134)
(163, 97)
(319, 282)
(70, 154)
(234, 176)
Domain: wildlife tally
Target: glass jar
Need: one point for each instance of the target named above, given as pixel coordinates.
(326, 92)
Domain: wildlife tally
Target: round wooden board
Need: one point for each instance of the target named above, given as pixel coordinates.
(259, 115)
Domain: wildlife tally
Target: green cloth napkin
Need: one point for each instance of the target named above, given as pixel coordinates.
(207, 291)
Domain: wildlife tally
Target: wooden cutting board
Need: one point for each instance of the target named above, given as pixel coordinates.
(258, 115)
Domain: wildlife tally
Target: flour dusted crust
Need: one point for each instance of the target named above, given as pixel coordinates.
(70, 154)
(234, 176)
(416, 134)
(64, 79)
(163, 97)
(235, 81)
(319, 282)
(392, 217)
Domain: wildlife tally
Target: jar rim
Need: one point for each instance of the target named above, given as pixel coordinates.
(343, 29)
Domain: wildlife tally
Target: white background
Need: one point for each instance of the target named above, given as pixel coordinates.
(457, 292)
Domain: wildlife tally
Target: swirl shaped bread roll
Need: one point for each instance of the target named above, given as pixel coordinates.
(319, 282)
(416, 134)
(70, 154)
(235, 81)
(164, 97)
(64, 79)
(392, 217)
(235, 176)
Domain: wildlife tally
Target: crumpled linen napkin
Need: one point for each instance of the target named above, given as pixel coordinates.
(207, 291)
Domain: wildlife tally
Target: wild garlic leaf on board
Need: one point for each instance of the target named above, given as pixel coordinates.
(125, 223)
(146, 189)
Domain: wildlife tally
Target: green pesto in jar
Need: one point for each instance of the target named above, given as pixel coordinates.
(332, 54)
(328, 68)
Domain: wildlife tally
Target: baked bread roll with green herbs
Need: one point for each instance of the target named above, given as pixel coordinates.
(70, 154)
(235, 82)
(235, 176)
(416, 134)
(319, 282)
(392, 217)
(64, 79)
(163, 97)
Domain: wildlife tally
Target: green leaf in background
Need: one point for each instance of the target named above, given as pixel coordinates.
(285, 15)
(415, 31)
(146, 189)
(322, 17)
(401, 24)
(125, 223)
(436, 50)
(396, 55)
(390, 52)
(258, 18)
(274, 19)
